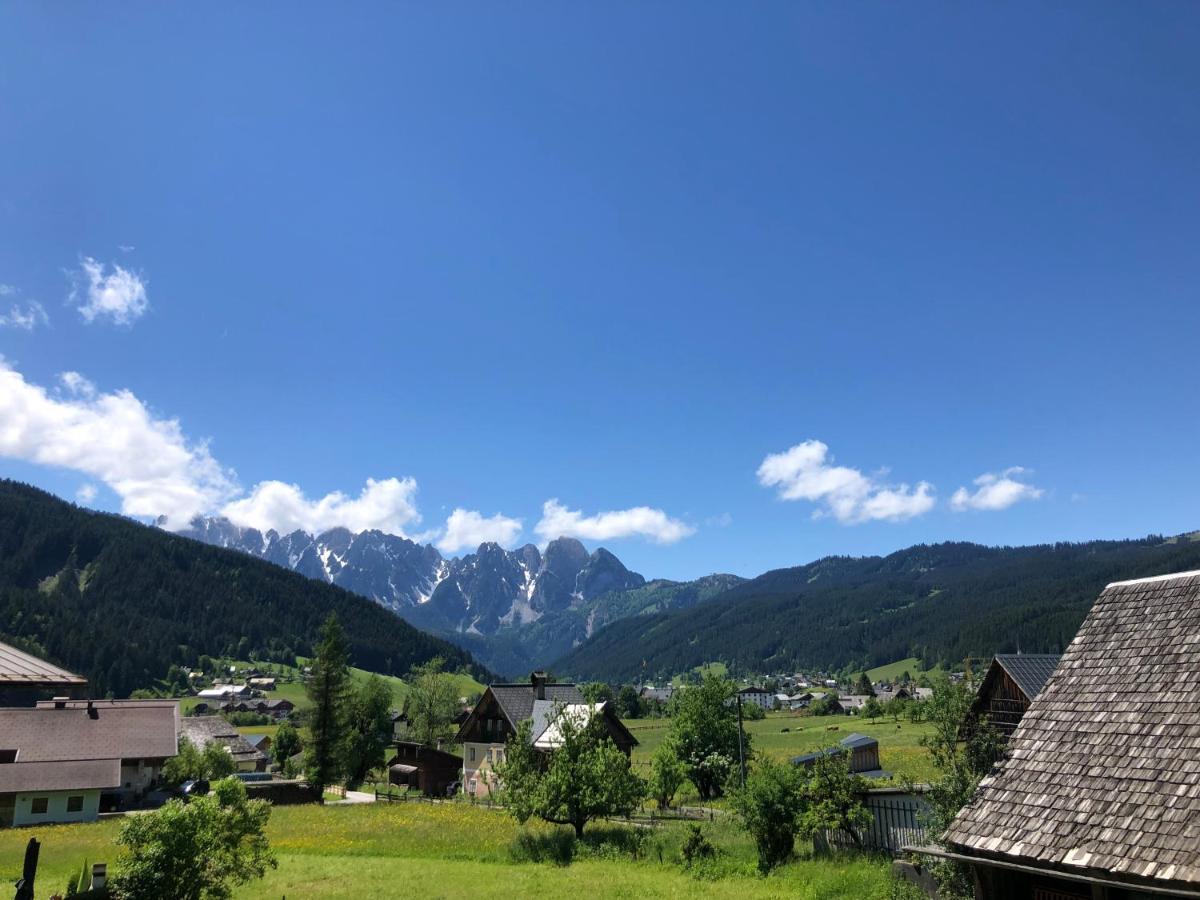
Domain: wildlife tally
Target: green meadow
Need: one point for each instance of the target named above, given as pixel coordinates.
(453, 850)
(782, 735)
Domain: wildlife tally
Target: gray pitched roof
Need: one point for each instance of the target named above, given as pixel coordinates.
(60, 775)
(1030, 671)
(19, 667)
(1103, 773)
(120, 729)
(516, 700)
(204, 730)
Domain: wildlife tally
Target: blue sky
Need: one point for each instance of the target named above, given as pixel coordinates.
(765, 282)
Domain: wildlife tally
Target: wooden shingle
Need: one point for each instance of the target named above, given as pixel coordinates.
(1103, 772)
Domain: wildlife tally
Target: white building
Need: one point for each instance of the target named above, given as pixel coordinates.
(757, 696)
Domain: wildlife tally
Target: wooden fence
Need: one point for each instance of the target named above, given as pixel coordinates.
(897, 820)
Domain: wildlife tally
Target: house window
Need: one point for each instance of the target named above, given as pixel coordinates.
(471, 754)
(39, 806)
(489, 756)
(75, 804)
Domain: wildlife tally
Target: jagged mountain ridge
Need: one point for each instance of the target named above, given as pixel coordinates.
(481, 593)
(514, 610)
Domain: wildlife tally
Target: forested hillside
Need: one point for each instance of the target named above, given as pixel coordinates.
(520, 650)
(942, 603)
(119, 602)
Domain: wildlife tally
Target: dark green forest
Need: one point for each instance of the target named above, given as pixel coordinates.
(942, 603)
(120, 602)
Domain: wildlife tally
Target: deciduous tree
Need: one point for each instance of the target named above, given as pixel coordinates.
(585, 777)
(286, 744)
(195, 851)
(704, 732)
(667, 774)
(432, 702)
(833, 798)
(369, 731)
(770, 807)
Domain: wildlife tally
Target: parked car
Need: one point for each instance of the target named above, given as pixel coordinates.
(190, 789)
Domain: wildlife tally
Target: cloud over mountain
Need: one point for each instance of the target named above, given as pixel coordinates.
(146, 460)
(639, 521)
(466, 529)
(388, 505)
(806, 472)
(996, 490)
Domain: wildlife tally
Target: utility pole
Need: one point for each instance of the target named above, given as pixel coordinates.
(741, 750)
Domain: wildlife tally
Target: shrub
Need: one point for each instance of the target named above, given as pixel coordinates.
(189, 851)
(770, 807)
(696, 847)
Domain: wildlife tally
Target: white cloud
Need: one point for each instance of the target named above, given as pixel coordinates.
(151, 465)
(7, 290)
(25, 317)
(77, 384)
(146, 460)
(120, 295)
(387, 505)
(466, 529)
(805, 472)
(996, 490)
(641, 521)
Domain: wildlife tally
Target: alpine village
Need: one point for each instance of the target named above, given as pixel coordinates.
(600, 450)
(184, 719)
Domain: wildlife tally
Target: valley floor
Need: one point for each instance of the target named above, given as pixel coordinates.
(782, 735)
(453, 850)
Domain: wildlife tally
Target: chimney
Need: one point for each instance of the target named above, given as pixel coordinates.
(60, 702)
(99, 876)
(538, 680)
(92, 713)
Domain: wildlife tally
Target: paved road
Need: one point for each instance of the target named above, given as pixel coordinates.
(353, 797)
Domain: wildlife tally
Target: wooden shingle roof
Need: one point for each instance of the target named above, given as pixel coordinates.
(1103, 773)
(20, 668)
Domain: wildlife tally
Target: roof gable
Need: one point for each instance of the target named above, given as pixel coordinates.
(516, 701)
(1103, 772)
(1030, 671)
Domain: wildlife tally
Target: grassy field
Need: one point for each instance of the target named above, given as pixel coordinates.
(899, 749)
(893, 671)
(714, 668)
(294, 690)
(456, 850)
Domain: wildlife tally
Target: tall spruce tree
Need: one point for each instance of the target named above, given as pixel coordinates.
(329, 690)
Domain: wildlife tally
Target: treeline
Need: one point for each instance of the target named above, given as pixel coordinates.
(120, 602)
(941, 603)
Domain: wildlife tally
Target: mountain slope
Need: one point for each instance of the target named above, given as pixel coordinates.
(942, 603)
(119, 602)
(513, 609)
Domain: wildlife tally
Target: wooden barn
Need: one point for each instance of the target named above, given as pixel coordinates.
(1009, 686)
(423, 768)
(864, 756)
(1099, 796)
